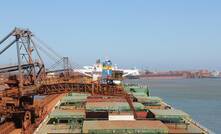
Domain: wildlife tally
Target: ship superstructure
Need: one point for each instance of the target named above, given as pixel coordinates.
(96, 69)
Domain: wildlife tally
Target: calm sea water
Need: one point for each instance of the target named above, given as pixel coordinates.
(201, 98)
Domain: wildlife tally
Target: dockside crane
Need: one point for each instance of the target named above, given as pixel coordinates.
(15, 101)
(29, 77)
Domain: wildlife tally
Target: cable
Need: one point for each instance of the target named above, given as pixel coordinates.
(48, 47)
(59, 59)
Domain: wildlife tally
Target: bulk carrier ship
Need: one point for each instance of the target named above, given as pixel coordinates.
(75, 102)
(137, 113)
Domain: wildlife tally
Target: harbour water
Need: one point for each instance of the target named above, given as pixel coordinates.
(201, 98)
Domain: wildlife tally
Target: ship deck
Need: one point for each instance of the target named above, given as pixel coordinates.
(111, 115)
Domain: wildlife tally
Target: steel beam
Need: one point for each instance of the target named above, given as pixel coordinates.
(6, 37)
(3, 50)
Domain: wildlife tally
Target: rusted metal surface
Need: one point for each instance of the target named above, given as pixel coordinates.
(10, 102)
(7, 127)
(44, 109)
(142, 115)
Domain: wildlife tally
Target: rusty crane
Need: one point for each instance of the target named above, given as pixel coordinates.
(30, 77)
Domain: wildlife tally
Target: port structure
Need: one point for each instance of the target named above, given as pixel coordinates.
(30, 78)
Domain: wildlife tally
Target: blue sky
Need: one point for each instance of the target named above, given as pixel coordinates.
(159, 35)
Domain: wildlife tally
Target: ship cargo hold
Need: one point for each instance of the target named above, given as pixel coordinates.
(83, 113)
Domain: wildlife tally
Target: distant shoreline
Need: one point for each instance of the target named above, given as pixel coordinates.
(163, 77)
(171, 78)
